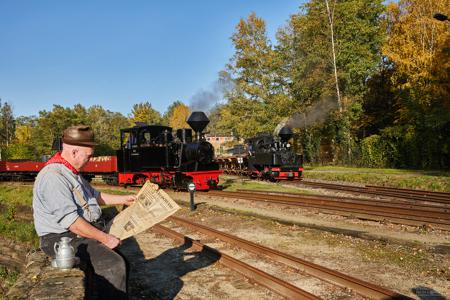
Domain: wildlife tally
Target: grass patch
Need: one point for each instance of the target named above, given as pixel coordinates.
(411, 179)
(16, 194)
(116, 191)
(378, 171)
(12, 196)
(7, 278)
(406, 258)
(18, 231)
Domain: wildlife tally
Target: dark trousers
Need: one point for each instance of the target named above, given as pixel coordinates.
(107, 267)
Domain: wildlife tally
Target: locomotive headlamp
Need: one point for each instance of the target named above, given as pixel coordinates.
(288, 145)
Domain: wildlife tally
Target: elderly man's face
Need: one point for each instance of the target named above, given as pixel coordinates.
(82, 155)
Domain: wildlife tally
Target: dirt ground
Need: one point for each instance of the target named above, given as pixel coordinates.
(412, 261)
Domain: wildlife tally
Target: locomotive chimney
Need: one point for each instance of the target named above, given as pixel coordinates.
(285, 133)
(198, 121)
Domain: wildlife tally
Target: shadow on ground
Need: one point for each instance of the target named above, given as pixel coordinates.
(426, 293)
(159, 277)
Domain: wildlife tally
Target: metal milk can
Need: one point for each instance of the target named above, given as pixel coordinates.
(65, 254)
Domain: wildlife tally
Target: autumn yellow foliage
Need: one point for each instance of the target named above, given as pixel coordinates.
(179, 116)
(418, 47)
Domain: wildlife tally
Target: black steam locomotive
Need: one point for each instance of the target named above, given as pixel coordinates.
(265, 157)
(152, 152)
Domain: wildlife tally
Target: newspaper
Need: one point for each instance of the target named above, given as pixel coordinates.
(152, 206)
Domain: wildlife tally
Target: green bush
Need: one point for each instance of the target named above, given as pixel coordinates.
(373, 152)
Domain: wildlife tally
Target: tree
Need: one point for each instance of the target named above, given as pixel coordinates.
(330, 13)
(23, 134)
(21, 146)
(310, 63)
(418, 46)
(180, 113)
(6, 124)
(418, 51)
(51, 124)
(255, 101)
(379, 103)
(242, 115)
(144, 112)
(169, 112)
(106, 126)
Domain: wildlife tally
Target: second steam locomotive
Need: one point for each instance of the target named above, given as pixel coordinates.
(265, 157)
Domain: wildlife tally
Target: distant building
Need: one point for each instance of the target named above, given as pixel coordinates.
(222, 142)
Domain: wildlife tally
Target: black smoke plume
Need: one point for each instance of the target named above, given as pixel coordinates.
(205, 100)
(315, 114)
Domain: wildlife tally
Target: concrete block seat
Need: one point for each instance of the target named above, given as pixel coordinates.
(39, 280)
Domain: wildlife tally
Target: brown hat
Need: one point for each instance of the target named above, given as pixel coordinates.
(80, 135)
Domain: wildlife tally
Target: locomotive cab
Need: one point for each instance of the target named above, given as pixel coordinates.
(144, 147)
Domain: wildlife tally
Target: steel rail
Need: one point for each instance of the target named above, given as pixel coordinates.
(345, 203)
(427, 196)
(401, 203)
(277, 285)
(413, 194)
(409, 191)
(361, 287)
(395, 214)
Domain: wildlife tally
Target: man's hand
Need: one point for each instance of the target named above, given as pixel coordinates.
(110, 199)
(85, 229)
(110, 241)
(129, 200)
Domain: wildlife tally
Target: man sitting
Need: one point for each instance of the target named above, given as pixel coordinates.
(66, 205)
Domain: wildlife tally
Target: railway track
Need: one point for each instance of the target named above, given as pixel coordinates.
(402, 203)
(285, 289)
(395, 212)
(275, 284)
(414, 195)
(399, 210)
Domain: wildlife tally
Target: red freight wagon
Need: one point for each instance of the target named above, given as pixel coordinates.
(27, 170)
(24, 166)
(20, 170)
(101, 164)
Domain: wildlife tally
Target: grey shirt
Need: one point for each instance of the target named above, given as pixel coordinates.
(56, 203)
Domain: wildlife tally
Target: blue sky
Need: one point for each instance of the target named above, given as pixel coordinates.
(118, 53)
